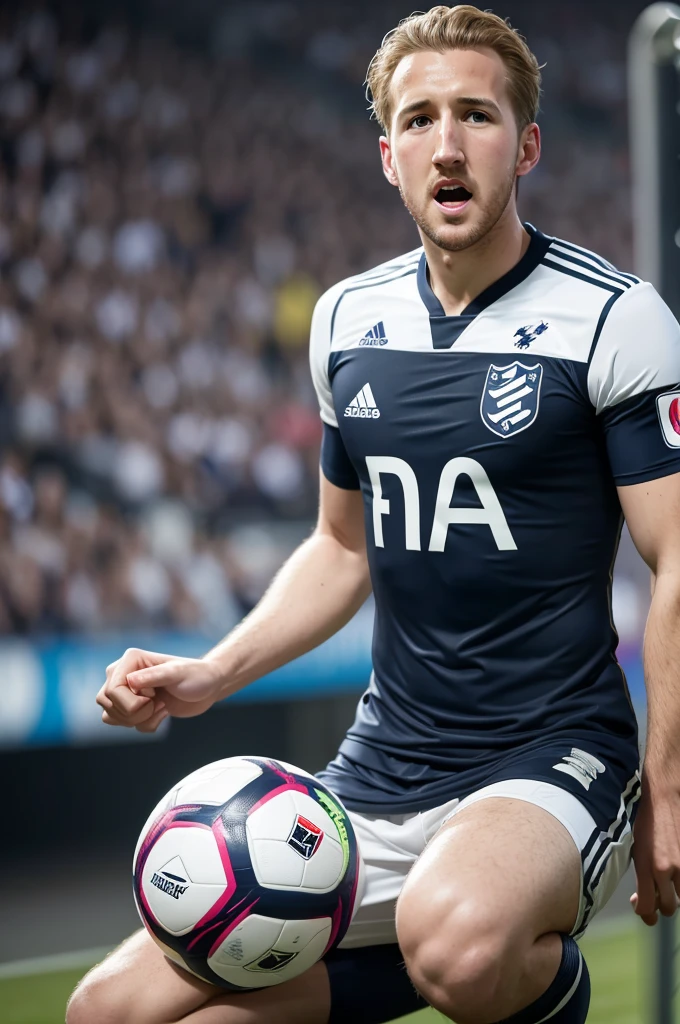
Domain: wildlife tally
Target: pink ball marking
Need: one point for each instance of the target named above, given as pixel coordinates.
(229, 929)
(295, 786)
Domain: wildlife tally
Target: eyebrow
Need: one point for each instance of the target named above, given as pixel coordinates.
(463, 101)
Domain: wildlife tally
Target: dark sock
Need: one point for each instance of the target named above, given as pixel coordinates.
(568, 998)
(370, 985)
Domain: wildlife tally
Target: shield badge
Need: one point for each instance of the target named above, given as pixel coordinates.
(510, 397)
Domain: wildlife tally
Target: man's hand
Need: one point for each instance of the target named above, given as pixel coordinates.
(656, 851)
(142, 688)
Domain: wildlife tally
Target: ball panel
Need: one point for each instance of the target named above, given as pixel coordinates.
(279, 963)
(309, 808)
(183, 877)
(248, 941)
(296, 935)
(325, 869)
(217, 782)
(196, 846)
(273, 818)
(276, 865)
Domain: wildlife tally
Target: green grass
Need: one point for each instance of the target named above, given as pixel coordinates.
(37, 999)
(617, 963)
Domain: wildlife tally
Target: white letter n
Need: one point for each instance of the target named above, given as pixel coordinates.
(378, 464)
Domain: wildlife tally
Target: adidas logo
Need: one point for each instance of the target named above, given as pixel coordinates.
(376, 335)
(363, 405)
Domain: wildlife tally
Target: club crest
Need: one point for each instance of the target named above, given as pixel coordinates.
(525, 335)
(510, 397)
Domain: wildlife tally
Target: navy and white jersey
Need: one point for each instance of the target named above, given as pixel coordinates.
(488, 447)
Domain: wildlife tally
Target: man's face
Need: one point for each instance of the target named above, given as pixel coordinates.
(454, 149)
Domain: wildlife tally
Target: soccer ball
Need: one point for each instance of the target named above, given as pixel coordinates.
(247, 872)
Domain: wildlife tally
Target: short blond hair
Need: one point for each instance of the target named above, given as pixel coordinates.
(456, 28)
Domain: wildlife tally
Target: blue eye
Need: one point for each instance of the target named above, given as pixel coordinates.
(479, 115)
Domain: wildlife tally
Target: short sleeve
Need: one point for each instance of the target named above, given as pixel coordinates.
(320, 350)
(633, 379)
(336, 464)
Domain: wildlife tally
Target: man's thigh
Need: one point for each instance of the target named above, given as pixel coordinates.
(500, 864)
(390, 845)
(588, 795)
(544, 843)
(137, 984)
(480, 915)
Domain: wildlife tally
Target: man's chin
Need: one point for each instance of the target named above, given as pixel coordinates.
(451, 236)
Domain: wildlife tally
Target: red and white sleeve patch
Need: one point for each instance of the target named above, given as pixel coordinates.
(668, 408)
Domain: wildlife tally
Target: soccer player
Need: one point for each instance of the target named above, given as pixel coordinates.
(492, 403)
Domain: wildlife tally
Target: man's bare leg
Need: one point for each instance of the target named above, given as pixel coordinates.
(137, 984)
(482, 913)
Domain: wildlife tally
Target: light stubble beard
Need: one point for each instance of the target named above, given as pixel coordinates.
(490, 216)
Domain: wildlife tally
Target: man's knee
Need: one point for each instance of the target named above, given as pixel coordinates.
(111, 993)
(95, 999)
(462, 960)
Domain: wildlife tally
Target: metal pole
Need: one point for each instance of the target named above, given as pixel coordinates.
(665, 971)
(654, 118)
(654, 90)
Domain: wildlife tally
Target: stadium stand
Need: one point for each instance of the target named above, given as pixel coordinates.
(169, 214)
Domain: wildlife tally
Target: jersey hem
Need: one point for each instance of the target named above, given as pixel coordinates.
(339, 481)
(615, 747)
(657, 473)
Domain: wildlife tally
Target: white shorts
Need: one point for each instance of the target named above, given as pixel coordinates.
(391, 844)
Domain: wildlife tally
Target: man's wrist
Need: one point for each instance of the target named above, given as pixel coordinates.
(661, 768)
(226, 671)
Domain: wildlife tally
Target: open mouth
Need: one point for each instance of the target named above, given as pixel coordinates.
(452, 195)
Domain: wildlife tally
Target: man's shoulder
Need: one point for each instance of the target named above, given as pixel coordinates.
(584, 268)
(375, 277)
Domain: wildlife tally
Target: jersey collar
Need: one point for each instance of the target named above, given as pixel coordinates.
(447, 329)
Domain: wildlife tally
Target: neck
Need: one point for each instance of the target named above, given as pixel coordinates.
(457, 278)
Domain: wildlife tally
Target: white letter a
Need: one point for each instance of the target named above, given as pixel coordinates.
(491, 514)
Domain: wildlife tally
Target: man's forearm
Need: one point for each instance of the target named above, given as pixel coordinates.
(662, 662)
(314, 594)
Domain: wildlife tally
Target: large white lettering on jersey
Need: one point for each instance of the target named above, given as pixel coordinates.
(491, 514)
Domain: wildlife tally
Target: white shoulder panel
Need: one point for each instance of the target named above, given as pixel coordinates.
(549, 314)
(638, 349)
(386, 313)
(320, 350)
(355, 307)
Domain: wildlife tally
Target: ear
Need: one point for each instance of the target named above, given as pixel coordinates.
(529, 150)
(387, 162)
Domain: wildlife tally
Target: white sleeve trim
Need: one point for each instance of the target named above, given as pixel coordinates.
(638, 349)
(320, 350)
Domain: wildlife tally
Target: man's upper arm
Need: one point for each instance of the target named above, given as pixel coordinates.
(652, 511)
(341, 515)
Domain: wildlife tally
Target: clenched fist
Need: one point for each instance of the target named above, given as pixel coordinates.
(143, 687)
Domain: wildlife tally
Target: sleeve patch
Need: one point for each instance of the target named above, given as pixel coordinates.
(668, 408)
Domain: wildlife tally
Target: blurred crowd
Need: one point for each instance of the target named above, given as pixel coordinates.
(169, 216)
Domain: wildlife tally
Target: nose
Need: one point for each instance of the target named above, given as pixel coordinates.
(448, 149)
